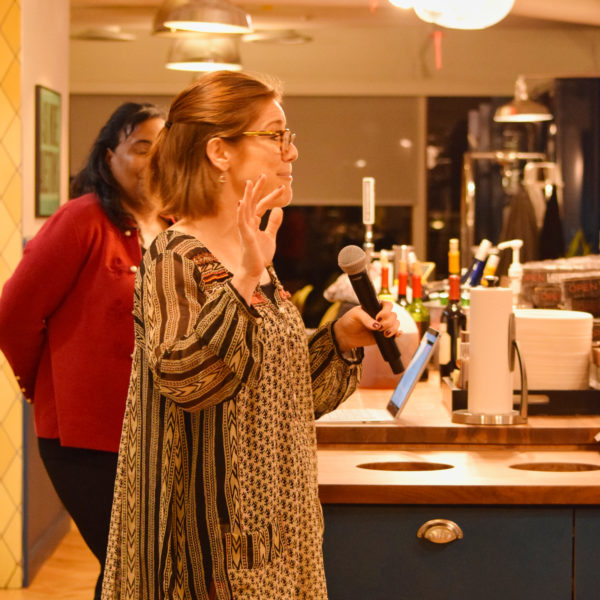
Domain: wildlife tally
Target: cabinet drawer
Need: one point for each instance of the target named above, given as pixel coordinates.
(372, 552)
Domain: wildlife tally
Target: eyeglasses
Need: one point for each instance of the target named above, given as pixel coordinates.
(285, 136)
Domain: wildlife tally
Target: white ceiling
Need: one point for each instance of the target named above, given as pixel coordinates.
(307, 14)
(355, 50)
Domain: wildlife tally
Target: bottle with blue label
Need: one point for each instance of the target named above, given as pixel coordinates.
(472, 277)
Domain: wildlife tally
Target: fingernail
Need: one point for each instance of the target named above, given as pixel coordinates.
(376, 325)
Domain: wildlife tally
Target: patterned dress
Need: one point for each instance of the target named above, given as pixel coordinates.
(216, 493)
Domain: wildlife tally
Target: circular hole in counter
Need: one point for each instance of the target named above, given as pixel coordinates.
(404, 466)
(556, 467)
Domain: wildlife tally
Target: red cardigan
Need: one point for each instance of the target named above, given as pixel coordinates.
(66, 324)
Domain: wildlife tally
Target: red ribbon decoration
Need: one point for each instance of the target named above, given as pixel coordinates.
(437, 47)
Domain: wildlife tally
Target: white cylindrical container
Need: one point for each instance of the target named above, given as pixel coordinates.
(490, 390)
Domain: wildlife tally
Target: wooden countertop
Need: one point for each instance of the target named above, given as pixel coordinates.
(474, 477)
(478, 458)
(427, 420)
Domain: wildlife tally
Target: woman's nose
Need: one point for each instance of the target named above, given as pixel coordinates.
(291, 153)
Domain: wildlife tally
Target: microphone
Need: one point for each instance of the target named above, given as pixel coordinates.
(353, 261)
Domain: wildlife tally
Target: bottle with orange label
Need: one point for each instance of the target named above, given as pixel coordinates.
(384, 289)
(417, 309)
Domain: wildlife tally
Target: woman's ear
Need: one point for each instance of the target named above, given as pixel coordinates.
(108, 156)
(218, 153)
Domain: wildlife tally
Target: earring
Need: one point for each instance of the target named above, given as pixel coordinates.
(222, 178)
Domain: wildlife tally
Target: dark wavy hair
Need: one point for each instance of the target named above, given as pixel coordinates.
(96, 176)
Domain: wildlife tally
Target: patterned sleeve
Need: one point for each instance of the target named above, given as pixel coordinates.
(334, 377)
(202, 344)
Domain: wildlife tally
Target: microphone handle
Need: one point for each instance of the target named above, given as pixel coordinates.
(363, 287)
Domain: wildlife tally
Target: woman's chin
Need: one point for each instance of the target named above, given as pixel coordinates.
(286, 198)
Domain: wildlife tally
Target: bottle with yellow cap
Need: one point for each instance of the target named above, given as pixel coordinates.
(453, 257)
(491, 265)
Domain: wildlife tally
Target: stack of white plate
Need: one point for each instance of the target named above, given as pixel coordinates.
(555, 346)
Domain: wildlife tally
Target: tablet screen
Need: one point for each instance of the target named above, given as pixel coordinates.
(413, 372)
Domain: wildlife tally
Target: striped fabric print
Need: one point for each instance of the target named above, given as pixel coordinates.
(217, 477)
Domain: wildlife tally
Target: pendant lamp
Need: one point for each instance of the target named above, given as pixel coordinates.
(205, 54)
(459, 14)
(406, 4)
(463, 14)
(521, 109)
(201, 16)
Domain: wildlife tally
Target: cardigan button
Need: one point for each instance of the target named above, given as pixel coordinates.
(133, 269)
(128, 232)
(23, 390)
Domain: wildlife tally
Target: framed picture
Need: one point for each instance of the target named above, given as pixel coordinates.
(47, 151)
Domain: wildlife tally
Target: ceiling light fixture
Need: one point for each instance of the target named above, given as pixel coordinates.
(205, 54)
(459, 14)
(287, 36)
(109, 33)
(201, 16)
(521, 109)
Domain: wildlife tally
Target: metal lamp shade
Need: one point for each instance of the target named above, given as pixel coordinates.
(201, 16)
(519, 111)
(204, 54)
(522, 109)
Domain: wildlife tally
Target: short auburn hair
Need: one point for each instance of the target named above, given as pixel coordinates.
(220, 104)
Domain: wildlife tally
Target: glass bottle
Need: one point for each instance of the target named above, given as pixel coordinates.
(453, 268)
(417, 309)
(453, 321)
(402, 285)
(490, 266)
(472, 277)
(384, 290)
(453, 257)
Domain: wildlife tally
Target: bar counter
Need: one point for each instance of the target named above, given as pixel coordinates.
(424, 458)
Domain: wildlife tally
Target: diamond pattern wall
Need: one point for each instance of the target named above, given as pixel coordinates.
(11, 410)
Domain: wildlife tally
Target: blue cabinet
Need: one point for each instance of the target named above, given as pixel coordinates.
(372, 552)
(586, 554)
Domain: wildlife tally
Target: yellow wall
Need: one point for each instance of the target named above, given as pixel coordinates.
(11, 410)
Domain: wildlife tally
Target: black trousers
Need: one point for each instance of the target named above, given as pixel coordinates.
(84, 481)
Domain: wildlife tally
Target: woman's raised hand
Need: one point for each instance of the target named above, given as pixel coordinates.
(258, 246)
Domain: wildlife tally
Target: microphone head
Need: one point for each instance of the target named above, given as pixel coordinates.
(352, 260)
